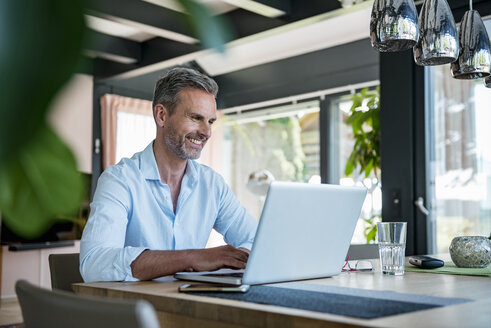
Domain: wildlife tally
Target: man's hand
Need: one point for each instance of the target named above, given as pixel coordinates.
(211, 259)
(152, 264)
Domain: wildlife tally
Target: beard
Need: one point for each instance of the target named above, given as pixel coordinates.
(178, 146)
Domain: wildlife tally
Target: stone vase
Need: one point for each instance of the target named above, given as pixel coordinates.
(471, 251)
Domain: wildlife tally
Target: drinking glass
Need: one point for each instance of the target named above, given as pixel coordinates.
(392, 247)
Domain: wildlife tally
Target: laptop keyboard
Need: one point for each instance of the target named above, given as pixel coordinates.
(232, 274)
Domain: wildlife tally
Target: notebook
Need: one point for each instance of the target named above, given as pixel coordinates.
(304, 233)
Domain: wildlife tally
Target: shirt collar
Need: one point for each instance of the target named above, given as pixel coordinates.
(148, 164)
(191, 171)
(150, 170)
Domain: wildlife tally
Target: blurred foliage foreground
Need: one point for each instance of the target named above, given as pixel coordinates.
(40, 43)
(40, 47)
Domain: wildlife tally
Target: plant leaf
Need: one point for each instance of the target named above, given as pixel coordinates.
(349, 166)
(364, 92)
(357, 100)
(40, 44)
(371, 102)
(371, 234)
(38, 184)
(212, 31)
(357, 123)
(352, 117)
(368, 168)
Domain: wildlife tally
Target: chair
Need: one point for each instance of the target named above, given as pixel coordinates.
(64, 269)
(55, 309)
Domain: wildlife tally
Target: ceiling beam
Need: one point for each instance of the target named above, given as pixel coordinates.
(112, 48)
(144, 16)
(160, 53)
(268, 8)
(152, 52)
(245, 23)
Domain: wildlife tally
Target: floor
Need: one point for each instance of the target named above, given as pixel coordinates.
(10, 313)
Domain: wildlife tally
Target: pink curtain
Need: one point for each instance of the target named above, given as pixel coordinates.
(111, 105)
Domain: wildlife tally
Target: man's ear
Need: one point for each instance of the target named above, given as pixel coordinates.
(161, 115)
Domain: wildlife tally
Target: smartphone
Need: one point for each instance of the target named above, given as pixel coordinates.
(213, 288)
(426, 262)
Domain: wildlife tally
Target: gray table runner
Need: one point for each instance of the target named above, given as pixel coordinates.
(357, 303)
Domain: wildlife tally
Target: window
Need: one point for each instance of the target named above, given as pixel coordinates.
(134, 133)
(282, 140)
(285, 141)
(460, 158)
(340, 146)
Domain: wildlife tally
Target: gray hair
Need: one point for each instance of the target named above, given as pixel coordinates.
(168, 86)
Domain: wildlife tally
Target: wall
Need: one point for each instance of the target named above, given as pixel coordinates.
(71, 117)
(29, 265)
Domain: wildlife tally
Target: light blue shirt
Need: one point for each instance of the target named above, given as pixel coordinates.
(132, 211)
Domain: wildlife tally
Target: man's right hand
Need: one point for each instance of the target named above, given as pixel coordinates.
(211, 259)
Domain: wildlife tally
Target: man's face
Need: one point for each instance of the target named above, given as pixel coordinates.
(189, 127)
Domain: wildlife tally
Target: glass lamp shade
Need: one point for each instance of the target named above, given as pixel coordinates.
(487, 81)
(438, 42)
(474, 60)
(394, 25)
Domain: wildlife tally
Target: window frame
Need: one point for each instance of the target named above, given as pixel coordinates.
(403, 148)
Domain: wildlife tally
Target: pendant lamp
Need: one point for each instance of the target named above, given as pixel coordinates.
(475, 54)
(394, 25)
(438, 42)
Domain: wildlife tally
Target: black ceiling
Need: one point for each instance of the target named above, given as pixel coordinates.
(114, 56)
(140, 54)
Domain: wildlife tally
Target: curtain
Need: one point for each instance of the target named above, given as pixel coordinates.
(132, 110)
(460, 126)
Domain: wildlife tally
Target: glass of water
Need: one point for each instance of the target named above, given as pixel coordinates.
(392, 246)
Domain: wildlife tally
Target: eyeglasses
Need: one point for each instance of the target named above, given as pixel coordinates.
(362, 265)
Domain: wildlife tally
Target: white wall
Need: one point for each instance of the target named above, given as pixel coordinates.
(71, 117)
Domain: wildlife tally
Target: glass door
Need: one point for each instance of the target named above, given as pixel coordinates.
(460, 157)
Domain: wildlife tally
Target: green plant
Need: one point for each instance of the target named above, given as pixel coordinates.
(364, 118)
(40, 47)
(371, 228)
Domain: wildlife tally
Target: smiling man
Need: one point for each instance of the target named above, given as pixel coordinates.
(152, 214)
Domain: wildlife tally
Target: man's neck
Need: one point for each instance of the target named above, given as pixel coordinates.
(171, 168)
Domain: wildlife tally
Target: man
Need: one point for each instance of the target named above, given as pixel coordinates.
(152, 214)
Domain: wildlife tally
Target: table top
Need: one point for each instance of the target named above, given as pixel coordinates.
(186, 309)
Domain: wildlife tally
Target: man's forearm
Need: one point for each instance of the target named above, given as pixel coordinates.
(153, 264)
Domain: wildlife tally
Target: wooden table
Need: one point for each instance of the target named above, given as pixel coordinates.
(176, 309)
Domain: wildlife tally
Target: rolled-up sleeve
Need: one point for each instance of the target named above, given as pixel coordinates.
(236, 225)
(103, 255)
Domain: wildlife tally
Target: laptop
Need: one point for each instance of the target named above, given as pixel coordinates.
(304, 232)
